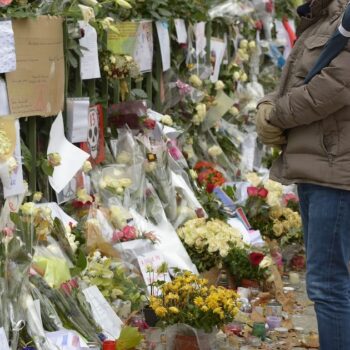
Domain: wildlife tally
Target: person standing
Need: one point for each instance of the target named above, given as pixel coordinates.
(311, 123)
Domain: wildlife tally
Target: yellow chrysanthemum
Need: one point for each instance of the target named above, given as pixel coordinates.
(174, 310)
(161, 311)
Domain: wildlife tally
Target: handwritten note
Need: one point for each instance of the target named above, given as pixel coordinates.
(89, 63)
(4, 344)
(72, 157)
(7, 47)
(4, 102)
(15, 185)
(78, 119)
(201, 40)
(144, 47)
(36, 87)
(181, 31)
(110, 325)
(123, 42)
(218, 48)
(164, 42)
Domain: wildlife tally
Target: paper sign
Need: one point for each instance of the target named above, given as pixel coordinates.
(201, 41)
(164, 42)
(66, 339)
(89, 63)
(123, 42)
(103, 313)
(4, 344)
(68, 193)
(223, 104)
(181, 31)
(72, 157)
(15, 185)
(95, 144)
(4, 102)
(78, 119)
(7, 47)
(154, 260)
(217, 53)
(144, 46)
(36, 87)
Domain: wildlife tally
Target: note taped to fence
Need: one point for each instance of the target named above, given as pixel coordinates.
(36, 87)
(123, 42)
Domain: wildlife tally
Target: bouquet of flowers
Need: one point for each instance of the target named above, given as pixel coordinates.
(116, 280)
(208, 176)
(246, 264)
(208, 242)
(189, 300)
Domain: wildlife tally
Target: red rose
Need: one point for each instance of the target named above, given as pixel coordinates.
(210, 187)
(290, 197)
(259, 25)
(263, 192)
(149, 123)
(252, 191)
(256, 258)
(203, 164)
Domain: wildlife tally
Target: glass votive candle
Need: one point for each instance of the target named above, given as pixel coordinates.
(294, 278)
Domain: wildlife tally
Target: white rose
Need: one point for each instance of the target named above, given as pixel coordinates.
(28, 208)
(87, 167)
(167, 120)
(193, 174)
(243, 44)
(37, 196)
(219, 85)
(234, 111)
(266, 262)
(195, 81)
(214, 151)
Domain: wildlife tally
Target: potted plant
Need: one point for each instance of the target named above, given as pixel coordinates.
(189, 304)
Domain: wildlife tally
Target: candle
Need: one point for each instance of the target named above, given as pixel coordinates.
(294, 278)
(109, 345)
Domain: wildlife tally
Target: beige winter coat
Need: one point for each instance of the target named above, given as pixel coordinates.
(316, 116)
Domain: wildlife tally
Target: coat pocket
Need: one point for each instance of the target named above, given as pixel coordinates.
(312, 49)
(330, 136)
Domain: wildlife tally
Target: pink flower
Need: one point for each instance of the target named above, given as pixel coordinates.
(252, 191)
(263, 192)
(175, 152)
(290, 197)
(129, 232)
(4, 3)
(74, 283)
(117, 236)
(66, 288)
(7, 231)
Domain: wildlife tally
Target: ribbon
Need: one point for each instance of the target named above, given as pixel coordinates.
(184, 88)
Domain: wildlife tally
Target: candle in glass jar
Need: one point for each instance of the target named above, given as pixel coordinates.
(294, 278)
(109, 345)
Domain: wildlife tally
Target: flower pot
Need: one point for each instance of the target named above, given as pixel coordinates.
(247, 283)
(150, 316)
(186, 342)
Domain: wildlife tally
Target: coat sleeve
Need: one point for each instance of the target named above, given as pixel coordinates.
(324, 95)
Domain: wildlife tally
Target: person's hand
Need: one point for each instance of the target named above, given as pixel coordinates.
(268, 134)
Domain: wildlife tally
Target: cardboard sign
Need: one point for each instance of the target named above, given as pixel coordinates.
(95, 144)
(36, 87)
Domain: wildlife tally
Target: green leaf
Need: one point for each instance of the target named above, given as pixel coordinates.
(46, 167)
(129, 338)
(139, 93)
(27, 157)
(164, 12)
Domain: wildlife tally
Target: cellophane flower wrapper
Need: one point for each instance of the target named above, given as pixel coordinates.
(34, 322)
(71, 306)
(159, 174)
(19, 252)
(118, 280)
(205, 341)
(231, 9)
(99, 234)
(169, 243)
(215, 153)
(130, 154)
